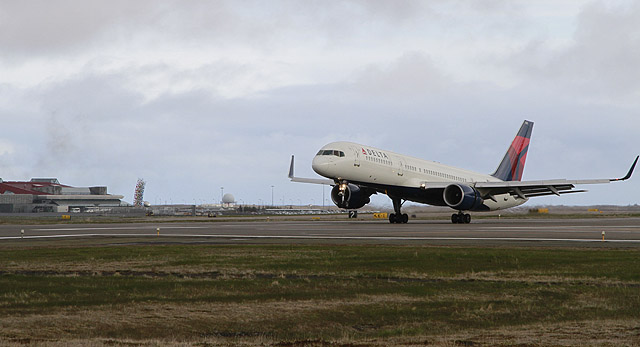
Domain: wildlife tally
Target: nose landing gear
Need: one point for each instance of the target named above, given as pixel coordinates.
(461, 218)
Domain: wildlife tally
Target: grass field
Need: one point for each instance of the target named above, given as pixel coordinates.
(296, 295)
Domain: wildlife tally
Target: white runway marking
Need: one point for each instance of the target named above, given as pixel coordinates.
(565, 228)
(555, 230)
(307, 237)
(121, 228)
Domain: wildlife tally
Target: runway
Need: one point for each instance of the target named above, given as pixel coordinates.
(619, 232)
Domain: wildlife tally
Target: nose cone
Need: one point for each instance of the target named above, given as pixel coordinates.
(322, 166)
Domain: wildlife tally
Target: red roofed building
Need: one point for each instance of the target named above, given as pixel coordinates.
(48, 195)
(36, 186)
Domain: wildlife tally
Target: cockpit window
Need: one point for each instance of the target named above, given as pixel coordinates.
(331, 152)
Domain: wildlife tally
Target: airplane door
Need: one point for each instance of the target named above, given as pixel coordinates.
(399, 166)
(356, 158)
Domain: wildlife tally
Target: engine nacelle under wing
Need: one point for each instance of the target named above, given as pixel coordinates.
(349, 196)
(463, 198)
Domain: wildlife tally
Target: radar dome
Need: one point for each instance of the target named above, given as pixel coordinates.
(228, 199)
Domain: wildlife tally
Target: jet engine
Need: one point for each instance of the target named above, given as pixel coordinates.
(462, 197)
(351, 196)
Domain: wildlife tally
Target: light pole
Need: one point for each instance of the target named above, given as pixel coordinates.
(221, 194)
(271, 196)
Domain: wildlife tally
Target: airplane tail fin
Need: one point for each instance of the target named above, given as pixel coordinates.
(512, 165)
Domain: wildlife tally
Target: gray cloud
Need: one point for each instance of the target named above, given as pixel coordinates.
(598, 64)
(65, 27)
(413, 75)
(29, 27)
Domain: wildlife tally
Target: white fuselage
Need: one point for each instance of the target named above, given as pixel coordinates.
(352, 162)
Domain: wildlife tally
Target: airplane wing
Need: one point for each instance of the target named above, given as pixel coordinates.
(308, 180)
(528, 189)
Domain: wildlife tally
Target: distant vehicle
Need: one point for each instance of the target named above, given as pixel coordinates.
(74, 210)
(357, 171)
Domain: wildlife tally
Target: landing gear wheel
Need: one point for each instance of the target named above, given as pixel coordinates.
(462, 218)
(398, 218)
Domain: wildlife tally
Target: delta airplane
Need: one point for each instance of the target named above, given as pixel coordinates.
(357, 171)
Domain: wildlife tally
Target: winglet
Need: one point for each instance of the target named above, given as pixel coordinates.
(291, 168)
(628, 173)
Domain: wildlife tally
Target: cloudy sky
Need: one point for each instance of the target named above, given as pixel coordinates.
(197, 95)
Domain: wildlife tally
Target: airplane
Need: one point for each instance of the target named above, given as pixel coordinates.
(358, 171)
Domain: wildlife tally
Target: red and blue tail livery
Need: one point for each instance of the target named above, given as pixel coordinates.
(512, 165)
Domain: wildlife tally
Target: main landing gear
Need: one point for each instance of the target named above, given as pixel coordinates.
(462, 218)
(398, 217)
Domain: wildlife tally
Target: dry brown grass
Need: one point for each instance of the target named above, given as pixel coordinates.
(155, 319)
(83, 327)
(582, 333)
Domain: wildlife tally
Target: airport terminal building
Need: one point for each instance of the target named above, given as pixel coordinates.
(48, 195)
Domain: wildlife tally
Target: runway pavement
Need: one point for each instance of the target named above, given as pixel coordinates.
(619, 232)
